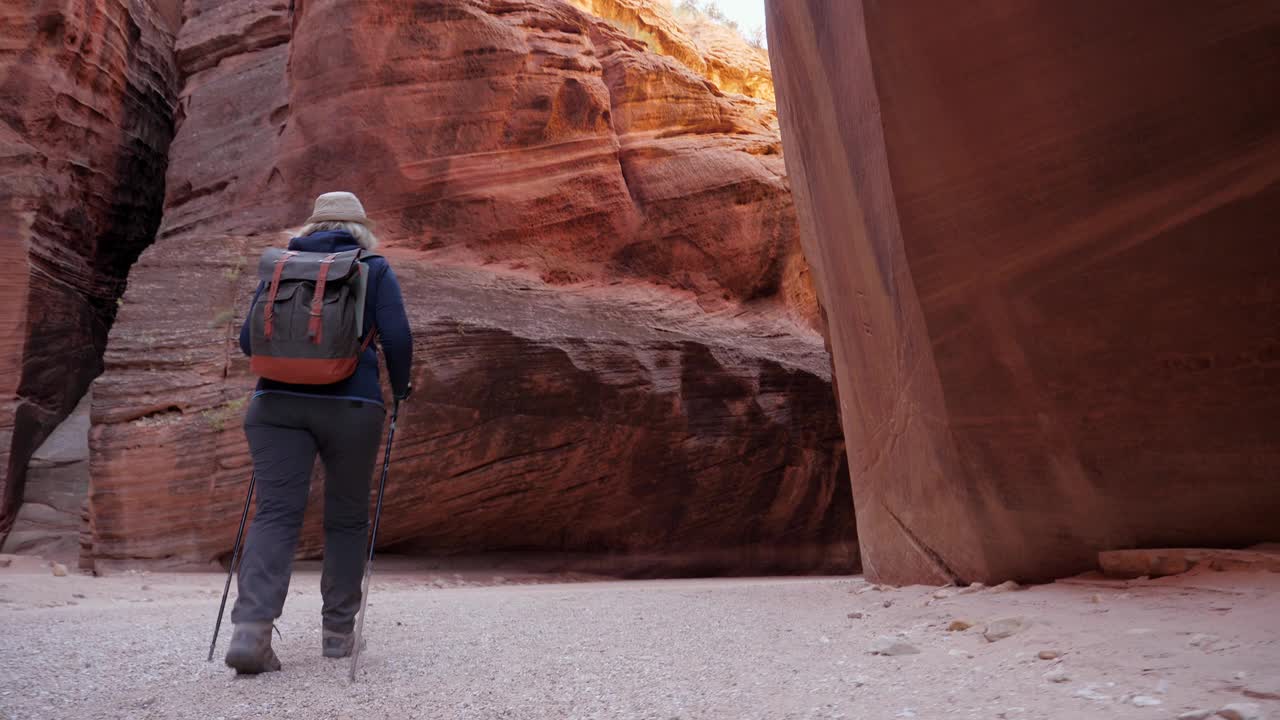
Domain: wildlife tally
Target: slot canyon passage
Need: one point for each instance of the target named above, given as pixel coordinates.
(924, 364)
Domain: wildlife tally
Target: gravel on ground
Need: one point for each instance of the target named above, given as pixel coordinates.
(133, 645)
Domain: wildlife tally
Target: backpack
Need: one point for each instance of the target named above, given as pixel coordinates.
(307, 327)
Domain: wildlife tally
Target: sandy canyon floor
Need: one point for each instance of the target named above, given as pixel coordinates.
(442, 645)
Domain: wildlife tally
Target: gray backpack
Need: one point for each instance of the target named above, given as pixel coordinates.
(307, 327)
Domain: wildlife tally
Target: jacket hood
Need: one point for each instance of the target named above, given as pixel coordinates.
(325, 241)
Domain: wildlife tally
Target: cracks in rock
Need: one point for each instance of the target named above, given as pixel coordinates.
(928, 553)
(627, 181)
(508, 458)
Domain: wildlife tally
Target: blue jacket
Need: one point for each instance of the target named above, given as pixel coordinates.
(383, 310)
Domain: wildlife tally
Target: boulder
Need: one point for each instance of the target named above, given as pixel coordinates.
(1042, 234)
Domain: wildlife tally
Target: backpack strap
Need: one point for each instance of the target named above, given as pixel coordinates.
(316, 327)
(362, 258)
(268, 315)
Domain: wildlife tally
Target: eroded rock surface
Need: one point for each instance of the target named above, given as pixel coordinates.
(1044, 239)
(51, 517)
(612, 317)
(616, 421)
(85, 121)
(710, 49)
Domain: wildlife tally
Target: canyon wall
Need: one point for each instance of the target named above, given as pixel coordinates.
(614, 325)
(86, 94)
(1043, 235)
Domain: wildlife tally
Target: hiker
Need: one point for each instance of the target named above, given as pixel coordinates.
(289, 423)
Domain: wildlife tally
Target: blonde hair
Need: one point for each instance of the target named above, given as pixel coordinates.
(363, 235)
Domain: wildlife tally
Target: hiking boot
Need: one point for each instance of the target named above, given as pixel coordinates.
(250, 652)
(336, 644)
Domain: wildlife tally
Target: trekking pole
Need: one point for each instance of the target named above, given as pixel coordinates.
(373, 537)
(235, 560)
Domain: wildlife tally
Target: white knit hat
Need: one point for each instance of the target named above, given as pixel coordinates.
(339, 207)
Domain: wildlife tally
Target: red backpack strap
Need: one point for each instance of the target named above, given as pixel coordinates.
(268, 314)
(316, 327)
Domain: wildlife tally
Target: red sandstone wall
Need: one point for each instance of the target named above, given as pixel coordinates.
(613, 321)
(86, 89)
(1043, 234)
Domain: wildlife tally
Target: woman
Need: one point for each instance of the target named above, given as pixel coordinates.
(288, 426)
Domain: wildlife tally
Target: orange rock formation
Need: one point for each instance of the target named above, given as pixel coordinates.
(614, 326)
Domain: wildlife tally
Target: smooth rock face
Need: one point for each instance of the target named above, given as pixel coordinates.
(85, 123)
(616, 358)
(1043, 239)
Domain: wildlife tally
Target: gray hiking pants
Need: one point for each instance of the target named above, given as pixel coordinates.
(286, 433)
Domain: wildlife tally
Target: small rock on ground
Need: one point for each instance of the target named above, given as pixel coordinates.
(1006, 586)
(59, 570)
(1057, 675)
(1263, 688)
(1048, 654)
(1145, 701)
(1004, 627)
(1206, 642)
(959, 626)
(1196, 715)
(1241, 711)
(892, 646)
(1090, 692)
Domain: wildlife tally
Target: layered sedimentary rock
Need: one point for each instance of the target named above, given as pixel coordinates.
(712, 50)
(612, 319)
(86, 89)
(616, 421)
(1043, 237)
